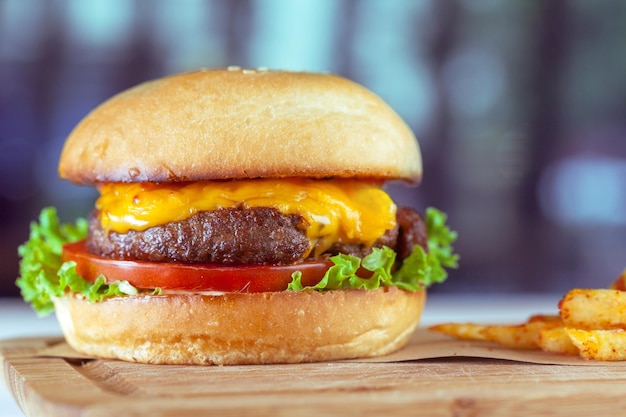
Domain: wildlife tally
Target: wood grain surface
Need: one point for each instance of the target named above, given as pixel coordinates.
(45, 386)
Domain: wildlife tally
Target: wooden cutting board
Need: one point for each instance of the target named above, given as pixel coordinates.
(51, 387)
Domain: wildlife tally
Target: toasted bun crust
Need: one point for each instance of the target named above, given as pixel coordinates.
(233, 124)
(242, 328)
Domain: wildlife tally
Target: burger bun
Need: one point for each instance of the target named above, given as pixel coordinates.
(242, 328)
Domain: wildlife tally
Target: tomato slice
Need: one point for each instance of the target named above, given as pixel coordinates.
(192, 277)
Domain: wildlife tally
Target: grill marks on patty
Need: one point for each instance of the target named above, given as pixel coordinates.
(257, 235)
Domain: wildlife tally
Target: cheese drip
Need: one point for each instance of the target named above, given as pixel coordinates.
(344, 211)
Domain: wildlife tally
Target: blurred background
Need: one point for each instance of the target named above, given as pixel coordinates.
(519, 106)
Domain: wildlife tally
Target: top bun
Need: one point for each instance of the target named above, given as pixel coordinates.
(235, 124)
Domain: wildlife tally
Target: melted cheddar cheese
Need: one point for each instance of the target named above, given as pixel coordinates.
(345, 211)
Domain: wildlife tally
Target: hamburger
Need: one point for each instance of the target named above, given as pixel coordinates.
(241, 219)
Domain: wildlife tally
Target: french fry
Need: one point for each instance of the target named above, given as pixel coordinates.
(594, 309)
(620, 282)
(521, 336)
(548, 320)
(466, 331)
(557, 340)
(604, 345)
(591, 323)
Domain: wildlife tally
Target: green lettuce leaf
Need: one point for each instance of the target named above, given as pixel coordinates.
(419, 270)
(43, 275)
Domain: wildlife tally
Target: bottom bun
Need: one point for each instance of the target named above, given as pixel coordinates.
(242, 328)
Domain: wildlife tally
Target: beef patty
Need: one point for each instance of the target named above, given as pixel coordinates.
(257, 235)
